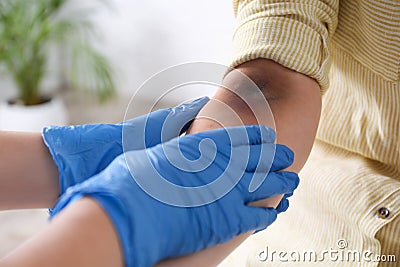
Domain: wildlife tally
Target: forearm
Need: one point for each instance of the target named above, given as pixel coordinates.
(295, 103)
(81, 235)
(28, 175)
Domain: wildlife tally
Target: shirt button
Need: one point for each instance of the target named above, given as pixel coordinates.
(383, 213)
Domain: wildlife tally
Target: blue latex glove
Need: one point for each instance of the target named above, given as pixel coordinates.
(83, 151)
(151, 230)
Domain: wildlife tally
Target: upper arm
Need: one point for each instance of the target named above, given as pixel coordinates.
(295, 34)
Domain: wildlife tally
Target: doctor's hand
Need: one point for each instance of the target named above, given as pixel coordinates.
(83, 151)
(189, 193)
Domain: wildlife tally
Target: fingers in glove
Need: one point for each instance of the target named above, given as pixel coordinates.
(159, 126)
(269, 158)
(179, 118)
(275, 183)
(257, 219)
(238, 136)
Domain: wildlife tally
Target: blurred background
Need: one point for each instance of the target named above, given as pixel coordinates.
(77, 62)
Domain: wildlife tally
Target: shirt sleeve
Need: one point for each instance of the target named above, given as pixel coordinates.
(293, 33)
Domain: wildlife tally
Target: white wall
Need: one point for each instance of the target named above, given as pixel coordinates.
(144, 37)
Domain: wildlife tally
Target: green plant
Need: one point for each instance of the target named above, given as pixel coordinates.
(29, 27)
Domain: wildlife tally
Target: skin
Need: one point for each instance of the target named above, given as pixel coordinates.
(26, 169)
(82, 234)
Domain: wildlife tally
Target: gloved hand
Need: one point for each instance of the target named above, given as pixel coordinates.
(83, 151)
(189, 193)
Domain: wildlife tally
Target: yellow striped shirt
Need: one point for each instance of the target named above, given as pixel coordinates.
(349, 197)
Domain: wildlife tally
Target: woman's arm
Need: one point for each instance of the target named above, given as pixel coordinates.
(28, 175)
(81, 235)
(295, 102)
